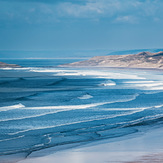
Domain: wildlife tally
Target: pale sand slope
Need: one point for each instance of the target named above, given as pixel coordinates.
(140, 148)
(140, 60)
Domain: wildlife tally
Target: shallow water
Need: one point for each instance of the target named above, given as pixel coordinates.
(42, 107)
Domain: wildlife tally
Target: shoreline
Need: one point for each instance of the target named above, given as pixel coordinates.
(102, 150)
(134, 148)
(118, 68)
(14, 66)
(6, 65)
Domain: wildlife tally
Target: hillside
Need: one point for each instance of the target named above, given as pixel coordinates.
(5, 65)
(140, 60)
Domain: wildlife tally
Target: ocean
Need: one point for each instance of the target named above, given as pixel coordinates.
(43, 106)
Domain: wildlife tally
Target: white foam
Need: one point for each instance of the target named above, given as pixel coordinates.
(39, 145)
(28, 117)
(107, 74)
(12, 138)
(149, 85)
(7, 68)
(137, 108)
(86, 96)
(74, 107)
(99, 74)
(127, 109)
(137, 82)
(84, 121)
(146, 85)
(71, 74)
(155, 88)
(151, 117)
(45, 70)
(95, 73)
(18, 68)
(6, 108)
(51, 70)
(67, 107)
(158, 106)
(108, 83)
(58, 109)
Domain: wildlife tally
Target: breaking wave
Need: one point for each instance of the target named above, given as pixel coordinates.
(6, 108)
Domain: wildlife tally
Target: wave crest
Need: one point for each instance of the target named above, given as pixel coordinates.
(6, 108)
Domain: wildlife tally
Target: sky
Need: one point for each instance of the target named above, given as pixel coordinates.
(80, 24)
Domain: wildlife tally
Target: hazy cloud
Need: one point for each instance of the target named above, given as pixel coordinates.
(53, 24)
(126, 19)
(45, 1)
(109, 8)
(53, 10)
(89, 9)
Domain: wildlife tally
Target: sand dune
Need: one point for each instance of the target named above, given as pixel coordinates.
(140, 60)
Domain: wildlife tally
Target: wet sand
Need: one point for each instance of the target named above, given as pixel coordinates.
(145, 147)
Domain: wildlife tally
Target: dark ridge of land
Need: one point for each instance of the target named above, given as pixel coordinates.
(140, 60)
(6, 65)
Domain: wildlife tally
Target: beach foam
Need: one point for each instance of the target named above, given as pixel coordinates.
(50, 70)
(146, 85)
(84, 97)
(99, 74)
(48, 110)
(108, 83)
(83, 72)
(77, 122)
(21, 68)
(12, 138)
(59, 109)
(6, 108)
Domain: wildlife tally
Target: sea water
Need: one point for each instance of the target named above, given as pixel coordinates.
(43, 106)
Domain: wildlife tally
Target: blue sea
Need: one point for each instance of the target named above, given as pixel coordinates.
(43, 106)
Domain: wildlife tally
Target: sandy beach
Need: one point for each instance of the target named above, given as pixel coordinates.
(116, 117)
(81, 81)
(138, 148)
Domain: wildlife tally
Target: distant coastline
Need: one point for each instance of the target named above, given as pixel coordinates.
(141, 60)
(6, 65)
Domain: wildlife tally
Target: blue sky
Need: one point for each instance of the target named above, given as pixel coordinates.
(80, 24)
